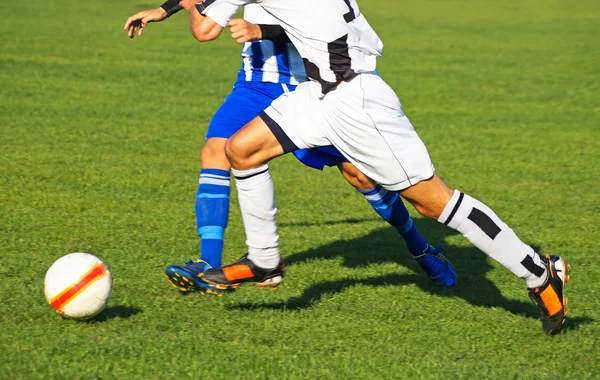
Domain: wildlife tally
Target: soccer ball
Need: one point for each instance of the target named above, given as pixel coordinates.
(78, 285)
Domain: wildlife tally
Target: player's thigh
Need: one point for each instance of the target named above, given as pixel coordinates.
(252, 146)
(366, 123)
(295, 118)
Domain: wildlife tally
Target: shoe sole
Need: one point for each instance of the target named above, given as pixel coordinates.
(562, 269)
(184, 284)
(271, 283)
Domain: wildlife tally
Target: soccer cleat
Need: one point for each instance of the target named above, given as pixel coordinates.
(186, 277)
(437, 267)
(549, 297)
(244, 270)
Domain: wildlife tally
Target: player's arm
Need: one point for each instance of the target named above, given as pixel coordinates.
(209, 18)
(137, 23)
(243, 31)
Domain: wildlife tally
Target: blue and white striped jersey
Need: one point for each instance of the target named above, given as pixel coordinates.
(269, 61)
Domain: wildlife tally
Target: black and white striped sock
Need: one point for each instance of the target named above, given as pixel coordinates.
(486, 231)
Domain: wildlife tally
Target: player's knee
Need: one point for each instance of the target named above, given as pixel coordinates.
(209, 154)
(429, 197)
(236, 154)
(432, 206)
(212, 154)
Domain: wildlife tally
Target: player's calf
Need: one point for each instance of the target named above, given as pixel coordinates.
(355, 177)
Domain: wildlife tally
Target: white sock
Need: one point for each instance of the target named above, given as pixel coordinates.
(256, 195)
(487, 232)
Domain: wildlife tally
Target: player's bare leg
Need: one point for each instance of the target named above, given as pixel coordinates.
(213, 155)
(429, 197)
(252, 146)
(248, 151)
(545, 277)
(355, 177)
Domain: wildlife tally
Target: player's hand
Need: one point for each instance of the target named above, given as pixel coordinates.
(137, 22)
(244, 31)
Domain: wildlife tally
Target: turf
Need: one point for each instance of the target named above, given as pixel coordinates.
(100, 138)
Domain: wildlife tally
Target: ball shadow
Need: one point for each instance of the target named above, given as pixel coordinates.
(112, 312)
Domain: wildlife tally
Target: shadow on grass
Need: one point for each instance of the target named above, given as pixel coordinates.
(385, 246)
(112, 312)
(329, 222)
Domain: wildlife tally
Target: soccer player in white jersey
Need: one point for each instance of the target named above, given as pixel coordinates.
(269, 69)
(348, 105)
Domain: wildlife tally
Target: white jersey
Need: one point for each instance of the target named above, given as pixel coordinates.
(334, 39)
(269, 61)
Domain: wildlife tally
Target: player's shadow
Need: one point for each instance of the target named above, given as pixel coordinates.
(328, 222)
(385, 246)
(119, 311)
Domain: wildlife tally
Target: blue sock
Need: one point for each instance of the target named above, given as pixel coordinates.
(390, 207)
(212, 212)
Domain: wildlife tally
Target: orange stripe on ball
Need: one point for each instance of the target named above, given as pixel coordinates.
(63, 298)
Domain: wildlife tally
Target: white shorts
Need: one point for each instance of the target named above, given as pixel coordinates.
(363, 119)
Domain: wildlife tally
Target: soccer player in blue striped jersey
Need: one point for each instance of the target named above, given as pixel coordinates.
(271, 67)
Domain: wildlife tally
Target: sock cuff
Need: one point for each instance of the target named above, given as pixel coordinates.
(210, 178)
(375, 195)
(451, 208)
(374, 190)
(241, 175)
(215, 172)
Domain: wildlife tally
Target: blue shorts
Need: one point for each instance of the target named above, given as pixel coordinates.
(246, 101)
(320, 157)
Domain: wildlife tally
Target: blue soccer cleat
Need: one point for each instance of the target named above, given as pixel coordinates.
(437, 267)
(186, 278)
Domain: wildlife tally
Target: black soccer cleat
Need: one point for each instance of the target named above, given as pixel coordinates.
(233, 275)
(549, 297)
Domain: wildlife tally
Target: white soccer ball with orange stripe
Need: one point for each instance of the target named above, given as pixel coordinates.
(78, 285)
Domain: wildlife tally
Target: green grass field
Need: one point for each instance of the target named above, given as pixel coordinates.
(100, 138)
